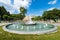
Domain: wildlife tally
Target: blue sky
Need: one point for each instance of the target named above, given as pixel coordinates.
(34, 7)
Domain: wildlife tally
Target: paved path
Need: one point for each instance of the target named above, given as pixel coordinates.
(4, 24)
(57, 24)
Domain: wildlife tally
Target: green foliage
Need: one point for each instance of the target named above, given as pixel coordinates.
(51, 14)
(23, 11)
(4, 15)
(22, 16)
(3, 11)
(7, 18)
(17, 16)
(37, 18)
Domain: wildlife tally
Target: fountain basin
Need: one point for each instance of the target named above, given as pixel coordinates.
(39, 28)
(30, 23)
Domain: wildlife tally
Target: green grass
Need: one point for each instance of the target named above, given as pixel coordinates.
(10, 36)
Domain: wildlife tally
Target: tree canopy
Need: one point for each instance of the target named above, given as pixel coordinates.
(23, 11)
(3, 11)
(37, 18)
(51, 14)
(5, 15)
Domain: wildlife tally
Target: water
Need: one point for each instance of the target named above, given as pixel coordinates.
(38, 27)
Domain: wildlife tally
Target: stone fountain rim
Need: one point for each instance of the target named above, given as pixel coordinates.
(29, 32)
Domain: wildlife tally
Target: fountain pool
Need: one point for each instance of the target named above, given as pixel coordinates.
(39, 28)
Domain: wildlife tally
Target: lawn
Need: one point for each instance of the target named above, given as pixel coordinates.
(10, 36)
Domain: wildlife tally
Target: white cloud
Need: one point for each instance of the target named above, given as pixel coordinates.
(6, 1)
(51, 8)
(17, 4)
(52, 2)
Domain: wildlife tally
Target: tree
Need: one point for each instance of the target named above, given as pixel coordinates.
(5, 17)
(44, 16)
(23, 11)
(51, 14)
(3, 11)
(37, 18)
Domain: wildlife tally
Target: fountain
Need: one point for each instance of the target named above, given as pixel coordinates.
(30, 22)
(34, 27)
(17, 27)
(46, 24)
(27, 28)
(22, 27)
(30, 27)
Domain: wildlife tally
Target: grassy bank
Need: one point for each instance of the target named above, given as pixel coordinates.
(9, 36)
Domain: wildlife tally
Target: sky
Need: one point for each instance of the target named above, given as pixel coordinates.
(34, 7)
